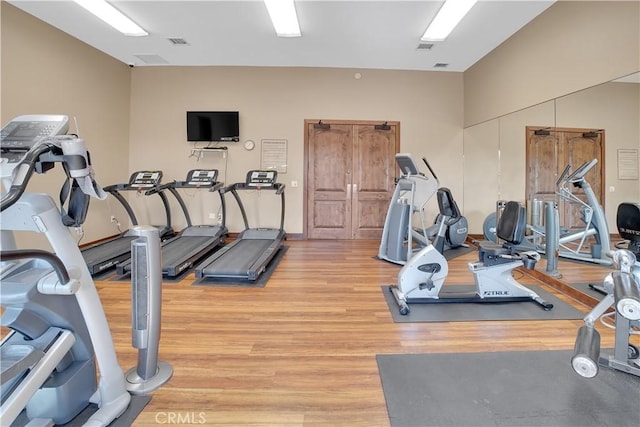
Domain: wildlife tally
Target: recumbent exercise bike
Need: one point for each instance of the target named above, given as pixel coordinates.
(421, 279)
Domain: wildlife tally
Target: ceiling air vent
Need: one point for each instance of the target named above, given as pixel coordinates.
(425, 46)
(152, 59)
(178, 41)
(440, 65)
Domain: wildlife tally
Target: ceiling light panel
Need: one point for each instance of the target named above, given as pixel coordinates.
(447, 18)
(284, 18)
(113, 17)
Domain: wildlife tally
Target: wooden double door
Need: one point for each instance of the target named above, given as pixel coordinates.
(549, 151)
(350, 171)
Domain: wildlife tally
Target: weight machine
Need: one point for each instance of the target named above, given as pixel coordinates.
(623, 293)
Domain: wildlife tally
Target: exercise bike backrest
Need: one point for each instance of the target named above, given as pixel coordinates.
(447, 206)
(628, 222)
(512, 223)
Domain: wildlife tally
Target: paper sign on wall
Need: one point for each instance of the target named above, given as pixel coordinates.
(274, 154)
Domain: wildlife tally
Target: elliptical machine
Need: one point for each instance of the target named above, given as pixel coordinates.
(59, 334)
(401, 238)
(622, 291)
(421, 279)
(569, 244)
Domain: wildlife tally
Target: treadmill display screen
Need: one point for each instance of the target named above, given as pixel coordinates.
(261, 178)
(145, 179)
(202, 176)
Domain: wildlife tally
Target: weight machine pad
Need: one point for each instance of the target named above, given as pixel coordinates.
(504, 389)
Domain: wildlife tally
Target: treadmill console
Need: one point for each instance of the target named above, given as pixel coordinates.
(406, 164)
(22, 133)
(145, 179)
(260, 178)
(201, 177)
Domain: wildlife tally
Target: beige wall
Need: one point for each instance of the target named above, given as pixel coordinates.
(146, 106)
(46, 71)
(571, 46)
(273, 104)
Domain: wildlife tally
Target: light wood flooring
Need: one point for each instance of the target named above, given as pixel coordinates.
(301, 351)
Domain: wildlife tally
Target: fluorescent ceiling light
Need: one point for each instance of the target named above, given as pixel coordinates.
(449, 15)
(284, 18)
(113, 17)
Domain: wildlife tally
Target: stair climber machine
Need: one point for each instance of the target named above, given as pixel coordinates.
(247, 257)
(401, 238)
(58, 335)
(421, 279)
(103, 256)
(193, 243)
(622, 292)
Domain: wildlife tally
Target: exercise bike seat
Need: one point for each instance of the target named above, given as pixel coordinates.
(511, 228)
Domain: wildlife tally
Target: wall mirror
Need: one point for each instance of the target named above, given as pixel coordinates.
(495, 150)
(495, 153)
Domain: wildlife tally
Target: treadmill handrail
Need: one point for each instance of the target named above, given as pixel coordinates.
(173, 186)
(277, 186)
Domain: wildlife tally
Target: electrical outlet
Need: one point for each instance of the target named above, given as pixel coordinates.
(114, 219)
(212, 216)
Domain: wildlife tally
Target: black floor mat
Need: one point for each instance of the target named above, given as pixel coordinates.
(136, 406)
(504, 389)
(463, 312)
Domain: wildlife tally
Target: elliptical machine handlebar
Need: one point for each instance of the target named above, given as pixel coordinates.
(22, 175)
(582, 170)
(563, 174)
(55, 262)
(424, 159)
(69, 150)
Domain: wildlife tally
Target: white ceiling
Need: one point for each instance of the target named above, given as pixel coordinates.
(335, 33)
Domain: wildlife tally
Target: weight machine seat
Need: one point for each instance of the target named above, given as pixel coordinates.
(511, 228)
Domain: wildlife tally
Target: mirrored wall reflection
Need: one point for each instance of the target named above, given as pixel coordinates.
(495, 151)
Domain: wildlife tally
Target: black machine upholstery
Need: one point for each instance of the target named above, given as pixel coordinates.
(447, 206)
(511, 228)
(512, 223)
(628, 222)
(449, 213)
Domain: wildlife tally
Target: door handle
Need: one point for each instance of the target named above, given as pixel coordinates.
(348, 191)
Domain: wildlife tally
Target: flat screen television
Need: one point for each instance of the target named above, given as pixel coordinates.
(213, 126)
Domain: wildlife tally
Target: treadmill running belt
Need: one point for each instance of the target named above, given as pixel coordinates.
(237, 260)
(97, 257)
(174, 252)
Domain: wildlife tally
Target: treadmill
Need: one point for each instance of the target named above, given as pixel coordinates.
(181, 252)
(105, 255)
(247, 257)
